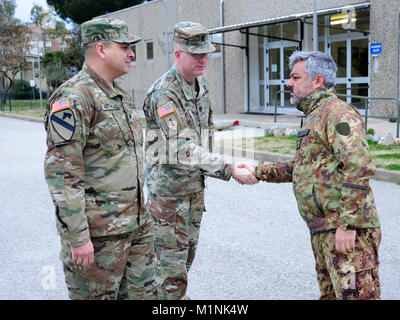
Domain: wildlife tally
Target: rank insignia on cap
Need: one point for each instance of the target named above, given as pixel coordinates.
(64, 123)
(165, 110)
(60, 105)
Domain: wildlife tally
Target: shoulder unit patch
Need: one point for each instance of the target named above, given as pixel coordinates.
(343, 128)
(64, 124)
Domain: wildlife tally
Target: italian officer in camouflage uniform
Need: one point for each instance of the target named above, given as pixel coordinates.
(178, 157)
(330, 175)
(94, 170)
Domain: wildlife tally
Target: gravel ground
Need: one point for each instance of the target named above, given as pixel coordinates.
(253, 243)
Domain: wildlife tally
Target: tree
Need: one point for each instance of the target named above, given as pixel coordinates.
(57, 68)
(80, 11)
(54, 30)
(13, 45)
(21, 89)
(75, 52)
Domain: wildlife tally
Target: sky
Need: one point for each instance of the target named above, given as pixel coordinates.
(23, 9)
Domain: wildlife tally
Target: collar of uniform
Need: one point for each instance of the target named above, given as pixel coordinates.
(188, 91)
(110, 91)
(314, 99)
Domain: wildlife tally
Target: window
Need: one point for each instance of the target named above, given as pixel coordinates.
(133, 47)
(216, 40)
(149, 50)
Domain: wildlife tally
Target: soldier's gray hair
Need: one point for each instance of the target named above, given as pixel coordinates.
(317, 62)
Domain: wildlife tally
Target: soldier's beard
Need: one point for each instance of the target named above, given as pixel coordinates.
(295, 99)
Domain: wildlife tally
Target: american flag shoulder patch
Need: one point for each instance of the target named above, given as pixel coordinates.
(60, 105)
(165, 110)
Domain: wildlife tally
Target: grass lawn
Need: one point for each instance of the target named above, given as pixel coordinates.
(26, 107)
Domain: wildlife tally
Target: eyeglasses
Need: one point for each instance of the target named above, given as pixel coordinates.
(196, 56)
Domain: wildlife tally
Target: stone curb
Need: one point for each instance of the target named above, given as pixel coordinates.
(26, 118)
(380, 174)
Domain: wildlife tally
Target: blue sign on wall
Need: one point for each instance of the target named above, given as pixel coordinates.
(376, 48)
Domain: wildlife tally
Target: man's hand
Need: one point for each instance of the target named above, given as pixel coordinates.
(244, 173)
(84, 254)
(345, 240)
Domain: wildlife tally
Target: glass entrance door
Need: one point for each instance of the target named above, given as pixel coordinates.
(351, 57)
(350, 51)
(274, 57)
(278, 75)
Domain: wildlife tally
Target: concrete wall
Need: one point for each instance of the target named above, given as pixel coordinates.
(238, 11)
(147, 21)
(384, 29)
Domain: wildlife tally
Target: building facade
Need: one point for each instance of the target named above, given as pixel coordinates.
(249, 71)
(38, 46)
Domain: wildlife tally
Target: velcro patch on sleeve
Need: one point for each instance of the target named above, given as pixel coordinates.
(60, 105)
(63, 126)
(165, 110)
(343, 128)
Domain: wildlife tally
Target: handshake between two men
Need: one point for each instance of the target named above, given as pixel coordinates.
(244, 173)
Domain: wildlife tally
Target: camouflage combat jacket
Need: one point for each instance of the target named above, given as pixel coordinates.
(179, 137)
(94, 161)
(332, 166)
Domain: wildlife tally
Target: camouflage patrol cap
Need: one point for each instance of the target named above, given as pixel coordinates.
(107, 29)
(193, 36)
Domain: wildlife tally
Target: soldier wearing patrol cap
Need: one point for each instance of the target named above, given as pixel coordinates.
(179, 157)
(94, 170)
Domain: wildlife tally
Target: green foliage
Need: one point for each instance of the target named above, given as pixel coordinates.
(54, 57)
(57, 68)
(7, 11)
(80, 11)
(370, 131)
(75, 52)
(393, 167)
(291, 137)
(21, 89)
(374, 146)
(13, 45)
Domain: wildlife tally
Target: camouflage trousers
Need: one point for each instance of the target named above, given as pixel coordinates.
(176, 229)
(123, 268)
(352, 276)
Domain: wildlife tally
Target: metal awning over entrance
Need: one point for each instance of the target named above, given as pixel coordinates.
(259, 23)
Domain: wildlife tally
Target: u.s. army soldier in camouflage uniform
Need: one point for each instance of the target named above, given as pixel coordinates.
(178, 157)
(94, 170)
(330, 175)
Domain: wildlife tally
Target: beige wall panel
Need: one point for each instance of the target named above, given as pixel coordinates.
(384, 29)
(147, 21)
